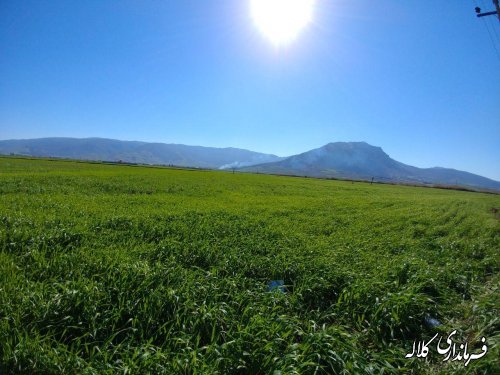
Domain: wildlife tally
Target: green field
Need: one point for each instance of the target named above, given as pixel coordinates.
(108, 269)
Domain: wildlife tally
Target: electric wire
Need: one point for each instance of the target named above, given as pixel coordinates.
(492, 39)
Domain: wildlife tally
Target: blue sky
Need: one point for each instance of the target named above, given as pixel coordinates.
(421, 79)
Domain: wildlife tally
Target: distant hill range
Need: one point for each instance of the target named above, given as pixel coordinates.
(361, 161)
(136, 152)
(344, 160)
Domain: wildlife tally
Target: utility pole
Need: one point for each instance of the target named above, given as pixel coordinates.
(495, 12)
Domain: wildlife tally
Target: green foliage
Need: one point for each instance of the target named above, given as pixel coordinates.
(117, 269)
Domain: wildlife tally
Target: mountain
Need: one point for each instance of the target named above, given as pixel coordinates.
(136, 152)
(359, 160)
(345, 160)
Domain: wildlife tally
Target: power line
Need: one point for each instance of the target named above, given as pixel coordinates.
(492, 39)
(487, 26)
(490, 21)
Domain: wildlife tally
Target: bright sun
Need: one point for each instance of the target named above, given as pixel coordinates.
(281, 20)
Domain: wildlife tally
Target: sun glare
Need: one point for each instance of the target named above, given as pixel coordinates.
(281, 21)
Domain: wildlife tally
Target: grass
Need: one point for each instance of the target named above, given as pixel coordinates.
(109, 269)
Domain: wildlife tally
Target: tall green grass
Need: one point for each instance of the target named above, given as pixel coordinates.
(117, 269)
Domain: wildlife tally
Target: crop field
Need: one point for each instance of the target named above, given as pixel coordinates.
(115, 269)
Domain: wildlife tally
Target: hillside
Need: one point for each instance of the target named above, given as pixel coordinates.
(135, 152)
(359, 160)
(344, 160)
